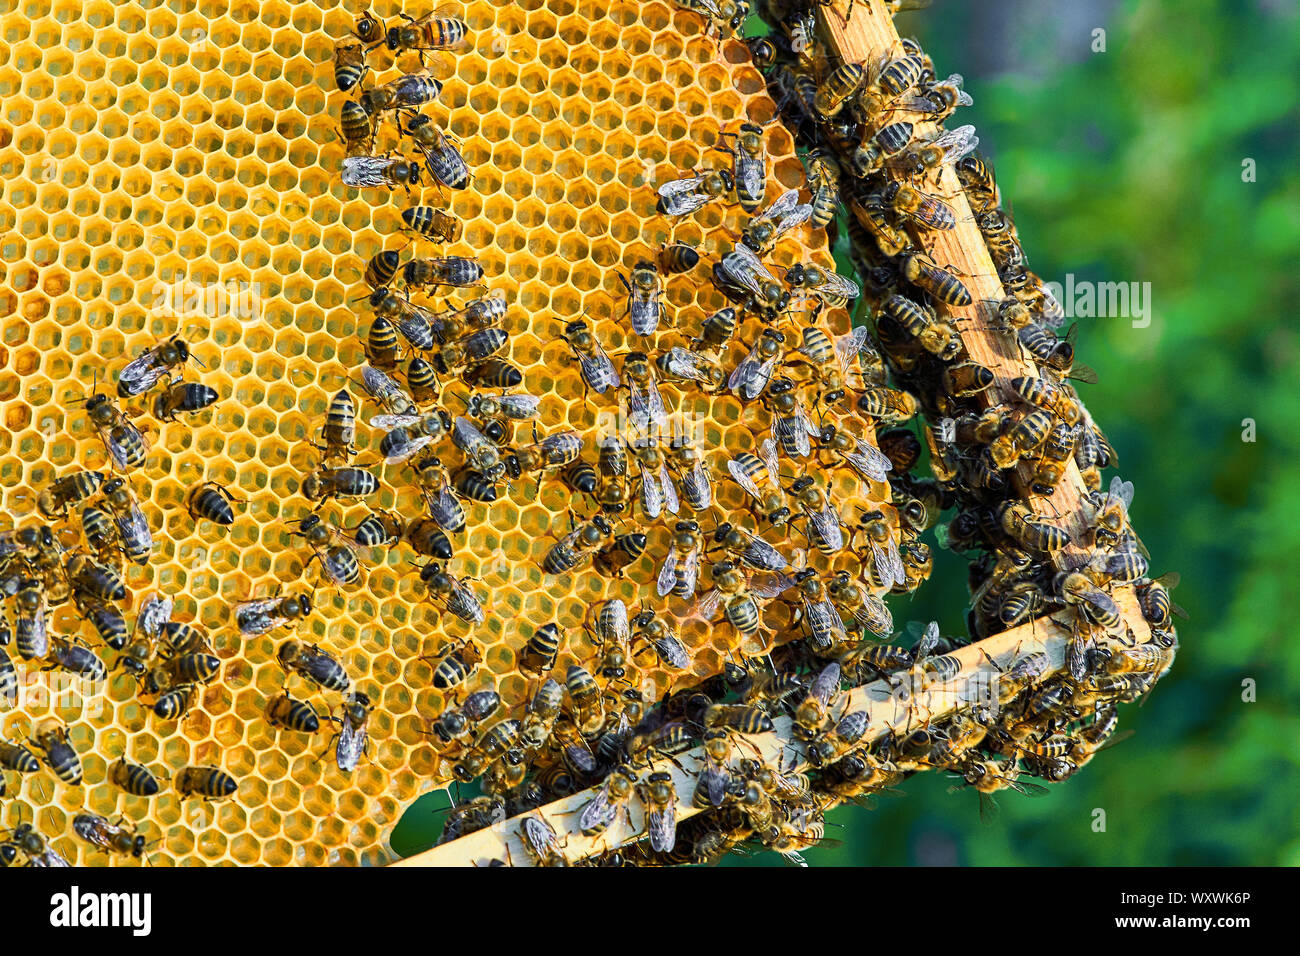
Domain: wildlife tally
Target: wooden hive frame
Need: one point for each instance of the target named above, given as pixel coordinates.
(868, 33)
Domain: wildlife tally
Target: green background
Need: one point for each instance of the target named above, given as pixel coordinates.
(1127, 166)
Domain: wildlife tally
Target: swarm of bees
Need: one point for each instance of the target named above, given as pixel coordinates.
(788, 544)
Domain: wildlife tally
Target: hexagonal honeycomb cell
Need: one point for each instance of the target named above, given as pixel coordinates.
(173, 169)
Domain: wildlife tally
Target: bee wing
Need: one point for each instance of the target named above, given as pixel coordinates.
(795, 431)
(836, 284)
(366, 170)
(848, 347)
(114, 448)
(142, 373)
(661, 824)
(827, 523)
(668, 573)
(934, 213)
(652, 494)
(646, 404)
(260, 606)
(771, 585)
(758, 379)
(465, 604)
(154, 613)
(416, 324)
(685, 186)
(598, 813)
(690, 570)
(671, 501)
(713, 782)
(443, 507)
(762, 555)
(742, 479)
(1123, 490)
(699, 489)
(707, 606)
(598, 370)
(466, 434)
(782, 206)
(956, 143)
(672, 652)
(869, 460)
(822, 620)
(134, 526)
(351, 745)
(754, 272)
(747, 368)
(402, 445)
(619, 626)
(767, 451)
(520, 406)
(826, 683)
(750, 174)
(687, 364)
(884, 567)
(540, 837)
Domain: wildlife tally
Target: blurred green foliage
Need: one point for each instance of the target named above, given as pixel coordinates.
(1126, 165)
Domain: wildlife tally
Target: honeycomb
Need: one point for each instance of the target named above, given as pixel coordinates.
(173, 169)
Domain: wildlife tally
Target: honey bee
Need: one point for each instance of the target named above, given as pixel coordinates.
(314, 664)
(92, 580)
(75, 658)
(833, 290)
(8, 677)
(132, 527)
(1029, 530)
(326, 483)
(69, 490)
(767, 227)
(518, 407)
(350, 66)
(749, 164)
(539, 839)
(836, 90)
(888, 405)
(742, 278)
(663, 638)
(495, 743)
(453, 593)
(51, 739)
(365, 171)
(283, 711)
(189, 397)
(598, 372)
(1109, 512)
(976, 176)
(921, 271)
(402, 441)
(658, 492)
(644, 292)
(886, 562)
(113, 837)
(210, 500)
(812, 716)
(583, 540)
(716, 331)
(737, 598)
(1058, 399)
(863, 457)
(589, 712)
(430, 32)
(456, 271)
(433, 223)
(148, 368)
(124, 442)
(854, 602)
(822, 528)
(609, 802)
(681, 566)
(398, 405)
(645, 404)
(677, 257)
(614, 556)
(34, 847)
(660, 798)
(133, 779)
(266, 614)
(211, 783)
(746, 468)
(683, 196)
(688, 365)
(823, 180)
(751, 377)
(825, 629)
(948, 148)
(100, 533)
(335, 550)
(408, 92)
(480, 452)
(441, 157)
(353, 737)
(693, 475)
